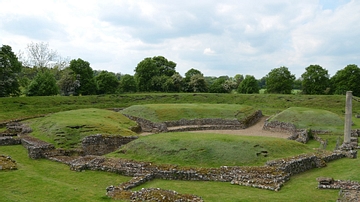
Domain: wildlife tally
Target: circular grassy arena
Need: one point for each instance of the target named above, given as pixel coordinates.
(208, 149)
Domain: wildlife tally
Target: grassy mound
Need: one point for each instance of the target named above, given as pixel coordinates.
(316, 119)
(208, 150)
(173, 112)
(66, 129)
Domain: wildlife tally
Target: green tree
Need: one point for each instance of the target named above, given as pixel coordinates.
(238, 79)
(315, 80)
(68, 82)
(10, 68)
(150, 71)
(85, 73)
(279, 80)
(194, 81)
(262, 82)
(197, 83)
(43, 84)
(177, 82)
(249, 85)
(107, 82)
(218, 86)
(346, 79)
(127, 84)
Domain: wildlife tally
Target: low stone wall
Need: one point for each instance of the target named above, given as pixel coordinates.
(148, 126)
(9, 141)
(302, 163)
(277, 126)
(349, 190)
(151, 194)
(271, 176)
(36, 148)
(197, 124)
(103, 144)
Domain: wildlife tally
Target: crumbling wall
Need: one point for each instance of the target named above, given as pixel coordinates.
(9, 141)
(36, 148)
(103, 144)
(277, 126)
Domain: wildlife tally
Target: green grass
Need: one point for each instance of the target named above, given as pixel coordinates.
(44, 180)
(310, 118)
(174, 112)
(208, 150)
(22, 107)
(301, 187)
(66, 129)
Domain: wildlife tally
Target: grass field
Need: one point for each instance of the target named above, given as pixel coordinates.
(44, 180)
(174, 112)
(208, 150)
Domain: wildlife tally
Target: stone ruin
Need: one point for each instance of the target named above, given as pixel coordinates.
(272, 176)
(7, 163)
(196, 124)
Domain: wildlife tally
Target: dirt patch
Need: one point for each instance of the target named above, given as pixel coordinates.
(255, 130)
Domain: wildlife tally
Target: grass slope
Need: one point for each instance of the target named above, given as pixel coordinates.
(316, 119)
(66, 129)
(22, 107)
(208, 150)
(44, 180)
(173, 112)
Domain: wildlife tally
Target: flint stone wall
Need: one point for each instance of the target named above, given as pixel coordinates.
(349, 190)
(302, 163)
(271, 176)
(277, 126)
(9, 141)
(36, 148)
(103, 144)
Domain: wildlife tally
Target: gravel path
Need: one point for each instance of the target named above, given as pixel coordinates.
(255, 130)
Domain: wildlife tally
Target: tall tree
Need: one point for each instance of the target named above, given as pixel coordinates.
(249, 85)
(107, 82)
(279, 80)
(127, 84)
(40, 55)
(149, 71)
(68, 82)
(194, 81)
(44, 84)
(218, 86)
(315, 80)
(346, 79)
(10, 68)
(85, 73)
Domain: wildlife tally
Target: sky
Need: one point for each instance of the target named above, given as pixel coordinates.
(218, 38)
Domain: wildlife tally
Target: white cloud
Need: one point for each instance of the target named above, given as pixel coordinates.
(208, 51)
(249, 37)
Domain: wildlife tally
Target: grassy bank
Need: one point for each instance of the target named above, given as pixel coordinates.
(22, 107)
(175, 112)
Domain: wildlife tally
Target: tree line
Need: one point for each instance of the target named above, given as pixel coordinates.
(42, 72)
